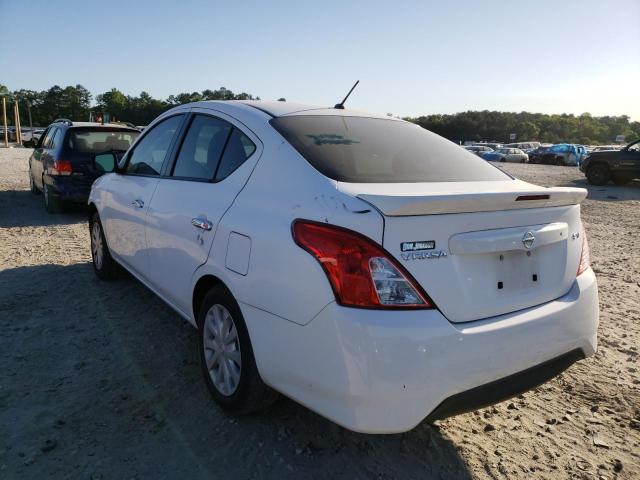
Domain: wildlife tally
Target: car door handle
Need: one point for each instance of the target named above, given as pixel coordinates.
(137, 203)
(201, 223)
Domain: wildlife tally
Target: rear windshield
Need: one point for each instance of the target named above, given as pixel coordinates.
(100, 140)
(372, 150)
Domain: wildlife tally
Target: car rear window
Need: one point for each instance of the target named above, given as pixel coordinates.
(100, 140)
(373, 150)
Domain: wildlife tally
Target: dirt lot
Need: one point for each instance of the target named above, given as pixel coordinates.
(100, 380)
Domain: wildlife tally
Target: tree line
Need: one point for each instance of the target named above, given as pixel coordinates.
(558, 128)
(75, 103)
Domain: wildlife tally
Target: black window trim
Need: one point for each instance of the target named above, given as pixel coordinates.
(170, 151)
(168, 171)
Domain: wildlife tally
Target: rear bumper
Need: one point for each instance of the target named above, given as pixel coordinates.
(504, 388)
(70, 188)
(386, 371)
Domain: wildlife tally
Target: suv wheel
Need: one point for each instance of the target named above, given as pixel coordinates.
(226, 356)
(598, 174)
(103, 264)
(52, 204)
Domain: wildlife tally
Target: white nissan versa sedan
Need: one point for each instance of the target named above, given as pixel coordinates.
(361, 265)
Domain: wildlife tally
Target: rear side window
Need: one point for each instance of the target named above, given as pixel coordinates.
(239, 148)
(149, 154)
(372, 150)
(95, 141)
(202, 148)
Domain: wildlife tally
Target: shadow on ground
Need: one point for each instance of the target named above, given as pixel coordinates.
(101, 378)
(21, 208)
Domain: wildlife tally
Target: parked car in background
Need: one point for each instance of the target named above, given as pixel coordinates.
(564, 154)
(26, 134)
(606, 148)
(37, 133)
(620, 166)
(361, 265)
(514, 155)
(478, 149)
(491, 145)
(536, 155)
(60, 166)
(526, 147)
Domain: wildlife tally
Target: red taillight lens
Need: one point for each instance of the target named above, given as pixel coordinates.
(61, 167)
(585, 257)
(361, 273)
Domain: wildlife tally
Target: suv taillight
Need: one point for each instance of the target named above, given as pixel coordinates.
(60, 167)
(585, 257)
(362, 274)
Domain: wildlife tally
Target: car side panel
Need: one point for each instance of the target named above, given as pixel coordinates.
(282, 278)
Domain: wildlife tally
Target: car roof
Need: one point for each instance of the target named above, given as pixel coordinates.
(281, 109)
(93, 124)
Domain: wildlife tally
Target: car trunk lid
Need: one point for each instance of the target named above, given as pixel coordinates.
(481, 249)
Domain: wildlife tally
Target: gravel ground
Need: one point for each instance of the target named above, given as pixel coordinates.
(100, 380)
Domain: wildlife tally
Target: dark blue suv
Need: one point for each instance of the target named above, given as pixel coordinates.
(61, 164)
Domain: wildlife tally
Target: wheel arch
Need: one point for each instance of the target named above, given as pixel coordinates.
(604, 163)
(205, 283)
(91, 209)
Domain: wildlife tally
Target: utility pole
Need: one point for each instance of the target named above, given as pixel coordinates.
(18, 130)
(6, 127)
(29, 112)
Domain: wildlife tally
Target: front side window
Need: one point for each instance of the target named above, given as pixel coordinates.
(635, 147)
(202, 148)
(56, 138)
(48, 139)
(374, 150)
(150, 153)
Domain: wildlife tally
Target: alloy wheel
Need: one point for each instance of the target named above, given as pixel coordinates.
(96, 245)
(222, 350)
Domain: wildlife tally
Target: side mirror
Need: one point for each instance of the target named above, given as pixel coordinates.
(105, 162)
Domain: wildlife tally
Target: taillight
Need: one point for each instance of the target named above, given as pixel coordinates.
(60, 167)
(585, 257)
(362, 274)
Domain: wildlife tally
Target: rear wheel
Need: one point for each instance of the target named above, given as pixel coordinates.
(226, 355)
(52, 204)
(598, 174)
(103, 264)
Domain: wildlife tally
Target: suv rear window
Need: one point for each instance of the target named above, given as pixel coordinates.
(100, 140)
(372, 150)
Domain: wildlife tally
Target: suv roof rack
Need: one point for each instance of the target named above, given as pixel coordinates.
(63, 120)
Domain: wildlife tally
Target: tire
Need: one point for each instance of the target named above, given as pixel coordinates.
(598, 174)
(103, 264)
(559, 162)
(620, 179)
(32, 185)
(52, 204)
(234, 382)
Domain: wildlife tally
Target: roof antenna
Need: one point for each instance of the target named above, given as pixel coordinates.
(340, 105)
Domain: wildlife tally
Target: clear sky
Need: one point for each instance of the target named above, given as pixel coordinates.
(412, 57)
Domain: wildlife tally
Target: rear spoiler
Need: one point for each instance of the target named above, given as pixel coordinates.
(469, 202)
